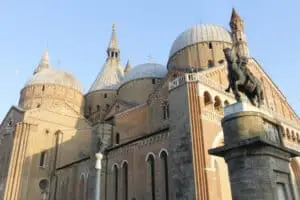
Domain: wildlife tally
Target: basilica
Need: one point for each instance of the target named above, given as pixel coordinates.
(140, 132)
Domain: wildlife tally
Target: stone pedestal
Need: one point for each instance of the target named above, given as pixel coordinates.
(258, 162)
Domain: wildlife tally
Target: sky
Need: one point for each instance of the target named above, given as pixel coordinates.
(77, 33)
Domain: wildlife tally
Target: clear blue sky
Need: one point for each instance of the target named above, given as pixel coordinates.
(78, 32)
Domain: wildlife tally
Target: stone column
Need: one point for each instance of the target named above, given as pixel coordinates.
(98, 167)
(258, 162)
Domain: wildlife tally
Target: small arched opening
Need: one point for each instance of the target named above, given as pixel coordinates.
(207, 98)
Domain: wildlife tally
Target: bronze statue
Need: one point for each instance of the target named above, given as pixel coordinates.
(241, 79)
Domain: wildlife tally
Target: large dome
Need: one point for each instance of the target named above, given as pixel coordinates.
(51, 76)
(147, 70)
(200, 33)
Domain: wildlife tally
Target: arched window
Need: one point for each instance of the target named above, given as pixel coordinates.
(293, 136)
(116, 182)
(288, 133)
(117, 138)
(226, 103)
(43, 88)
(207, 98)
(87, 188)
(210, 63)
(116, 54)
(217, 104)
(153, 81)
(221, 61)
(81, 188)
(151, 176)
(210, 45)
(125, 181)
(105, 95)
(164, 175)
(98, 107)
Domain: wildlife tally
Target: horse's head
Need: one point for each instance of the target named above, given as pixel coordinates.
(228, 54)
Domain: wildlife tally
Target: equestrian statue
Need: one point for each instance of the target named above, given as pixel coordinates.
(241, 80)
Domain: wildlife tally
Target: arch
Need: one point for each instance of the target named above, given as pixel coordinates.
(163, 150)
(288, 133)
(293, 136)
(164, 174)
(150, 154)
(150, 165)
(226, 103)
(87, 187)
(207, 98)
(123, 163)
(210, 63)
(114, 165)
(81, 189)
(217, 103)
(117, 138)
(125, 180)
(115, 182)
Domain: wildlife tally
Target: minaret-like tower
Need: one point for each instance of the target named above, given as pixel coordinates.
(238, 34)
(113, 50)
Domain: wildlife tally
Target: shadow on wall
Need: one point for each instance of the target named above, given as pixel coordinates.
(56, 164)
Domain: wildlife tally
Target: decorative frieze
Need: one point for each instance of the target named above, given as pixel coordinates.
(138, 145)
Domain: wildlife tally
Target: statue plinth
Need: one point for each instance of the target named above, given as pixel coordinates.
(257, 160)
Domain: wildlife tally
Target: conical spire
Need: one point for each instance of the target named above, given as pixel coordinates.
(235, 15)
(113, 43)
(113, 51)
(127, 67)
(44, 63)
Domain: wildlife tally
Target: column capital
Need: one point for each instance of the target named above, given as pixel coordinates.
(99, 157)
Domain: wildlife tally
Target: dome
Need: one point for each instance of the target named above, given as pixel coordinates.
(147, 70)
(200, 33)
(51, 76)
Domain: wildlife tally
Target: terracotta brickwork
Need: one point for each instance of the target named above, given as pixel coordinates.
(154, 130)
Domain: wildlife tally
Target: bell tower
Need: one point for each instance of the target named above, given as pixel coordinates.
(238, 34)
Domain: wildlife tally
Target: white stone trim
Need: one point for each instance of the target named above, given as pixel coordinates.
(163, 150)
(148, 154)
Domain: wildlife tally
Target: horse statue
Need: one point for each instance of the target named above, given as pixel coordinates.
(241, 79)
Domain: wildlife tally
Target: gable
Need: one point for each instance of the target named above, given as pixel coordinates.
(13, 116)
(118, 107)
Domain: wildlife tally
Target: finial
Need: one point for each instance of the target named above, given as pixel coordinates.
(113, 43)
(44, 62)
